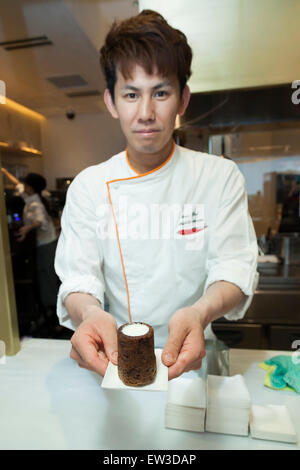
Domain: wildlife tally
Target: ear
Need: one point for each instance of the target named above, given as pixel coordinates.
(185, 99)
(110, 104)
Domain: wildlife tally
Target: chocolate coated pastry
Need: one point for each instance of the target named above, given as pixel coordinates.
(136, 357)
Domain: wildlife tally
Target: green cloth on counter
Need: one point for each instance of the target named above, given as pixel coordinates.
(283, 373)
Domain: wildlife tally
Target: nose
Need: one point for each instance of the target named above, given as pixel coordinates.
(146, 111)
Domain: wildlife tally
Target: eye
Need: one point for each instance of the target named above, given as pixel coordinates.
(161, 94)
(131, 96)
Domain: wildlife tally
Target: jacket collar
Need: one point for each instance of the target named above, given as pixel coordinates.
(134, 175)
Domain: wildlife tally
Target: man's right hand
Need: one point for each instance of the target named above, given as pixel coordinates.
(94, 343)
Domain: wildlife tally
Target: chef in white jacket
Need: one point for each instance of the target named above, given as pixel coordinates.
(159, 232)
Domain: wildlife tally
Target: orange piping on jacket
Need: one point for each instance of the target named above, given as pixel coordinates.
(115, 220)
(151, 171)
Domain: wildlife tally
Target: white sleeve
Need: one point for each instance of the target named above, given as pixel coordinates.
(78, 259)
(233, 250)
(37, 213)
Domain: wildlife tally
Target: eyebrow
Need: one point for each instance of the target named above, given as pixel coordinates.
(156, 87)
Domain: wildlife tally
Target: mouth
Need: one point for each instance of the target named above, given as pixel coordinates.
(147, 132)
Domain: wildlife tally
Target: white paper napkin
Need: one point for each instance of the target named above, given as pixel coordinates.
(112, 380)
(230, 391)
(228, 405)
(186, 419)
(186, 402)
(228, 415)
(227, 421)
(272, 422)
(238, 429)
(187, 392)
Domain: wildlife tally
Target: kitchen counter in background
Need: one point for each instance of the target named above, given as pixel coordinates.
(281, 276)
(273, 319)
(48, 402)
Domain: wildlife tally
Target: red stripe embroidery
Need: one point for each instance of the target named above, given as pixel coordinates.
(191, 230)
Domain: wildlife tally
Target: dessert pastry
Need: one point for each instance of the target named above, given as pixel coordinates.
(136, 357)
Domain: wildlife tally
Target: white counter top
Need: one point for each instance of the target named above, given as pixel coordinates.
(48, 402)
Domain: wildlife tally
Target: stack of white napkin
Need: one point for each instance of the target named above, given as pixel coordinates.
(272, 422)
(228, 405)
(186, 403)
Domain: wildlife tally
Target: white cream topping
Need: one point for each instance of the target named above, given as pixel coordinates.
(135, 329)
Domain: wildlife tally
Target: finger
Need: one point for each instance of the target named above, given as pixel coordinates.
(87, 355)
(76, 357)
(176, 369)
(194, 343)
(181, 366)
(83, 365)
(190, 356)
(110, 341)
(173, 345)
(102, 355)
(194, 366)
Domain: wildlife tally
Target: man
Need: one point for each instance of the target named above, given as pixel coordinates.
(180, 280)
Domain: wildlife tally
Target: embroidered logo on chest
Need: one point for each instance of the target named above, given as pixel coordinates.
(191, 220)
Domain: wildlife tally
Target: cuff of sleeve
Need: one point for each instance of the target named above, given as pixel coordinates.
(242, 278)
(86, 285)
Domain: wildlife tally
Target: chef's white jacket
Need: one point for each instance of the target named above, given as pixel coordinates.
(152, 243)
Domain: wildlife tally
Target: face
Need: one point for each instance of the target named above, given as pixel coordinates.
(147, 106)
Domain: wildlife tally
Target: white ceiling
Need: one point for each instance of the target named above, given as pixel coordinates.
(236, 44)
(77, 29)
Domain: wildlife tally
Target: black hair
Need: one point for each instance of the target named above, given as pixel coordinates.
(149, 41)
(38, 183)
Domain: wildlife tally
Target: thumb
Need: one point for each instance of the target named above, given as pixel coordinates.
(173, 344)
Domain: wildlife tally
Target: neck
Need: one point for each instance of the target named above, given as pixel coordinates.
(144, 162)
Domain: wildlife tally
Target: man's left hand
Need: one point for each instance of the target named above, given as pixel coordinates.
(185, 347)
(22, 232)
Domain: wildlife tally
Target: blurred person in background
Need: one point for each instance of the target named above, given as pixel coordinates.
(36, 217)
